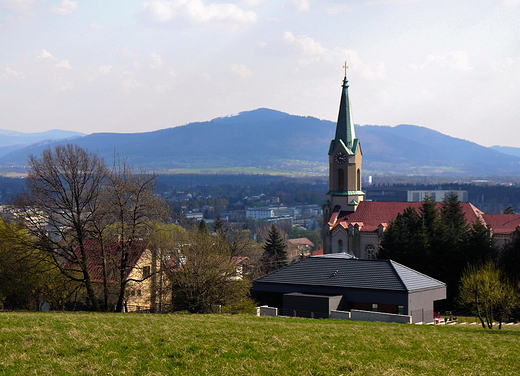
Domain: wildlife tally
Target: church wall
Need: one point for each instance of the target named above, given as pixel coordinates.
(368, 239)
(336, 236)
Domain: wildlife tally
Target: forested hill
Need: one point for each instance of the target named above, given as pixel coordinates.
(267, 138)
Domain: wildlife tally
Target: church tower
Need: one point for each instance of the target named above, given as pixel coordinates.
(345, 159)
(344, 164)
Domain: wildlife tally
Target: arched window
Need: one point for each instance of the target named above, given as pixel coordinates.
(358, 179)
(341, 180)
(340, 246)
(371, 252)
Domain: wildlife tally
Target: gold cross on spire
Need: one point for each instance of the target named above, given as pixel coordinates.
(345, 66)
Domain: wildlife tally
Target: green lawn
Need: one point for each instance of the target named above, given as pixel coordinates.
(145, 344)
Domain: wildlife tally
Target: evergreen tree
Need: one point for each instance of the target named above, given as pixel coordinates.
(275, 255)
(437, 241)
(450, 256)
(509, 210)
(479, 247)
(218, 226)
(404, 240)
(203, 226)
(509, 259)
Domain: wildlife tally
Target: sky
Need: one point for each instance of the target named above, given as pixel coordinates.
(137, 66)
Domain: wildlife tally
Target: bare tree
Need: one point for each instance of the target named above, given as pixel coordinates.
(132, 206)
(64, 190)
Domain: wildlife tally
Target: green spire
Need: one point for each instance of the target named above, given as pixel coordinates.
(345, 126)
(345, 132)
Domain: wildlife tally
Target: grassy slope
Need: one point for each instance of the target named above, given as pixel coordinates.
(140, 344)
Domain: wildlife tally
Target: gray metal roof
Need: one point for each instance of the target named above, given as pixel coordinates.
(343, 272)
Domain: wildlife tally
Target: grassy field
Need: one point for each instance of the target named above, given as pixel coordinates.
(144, 344)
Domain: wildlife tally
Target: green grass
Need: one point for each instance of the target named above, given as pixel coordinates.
(145, 344)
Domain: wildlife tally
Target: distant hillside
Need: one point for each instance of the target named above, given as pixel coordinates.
(269, 139)
(507, 150)
(12, 140)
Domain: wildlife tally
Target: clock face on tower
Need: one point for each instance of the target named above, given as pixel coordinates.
(340, 157)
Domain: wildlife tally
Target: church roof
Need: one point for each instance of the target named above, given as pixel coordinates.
(370, 214)
(345, 126)
(343, 272)
(502, 224)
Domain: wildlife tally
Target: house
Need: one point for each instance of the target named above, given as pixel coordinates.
(140, 272)
(320, 284)
(299, 247)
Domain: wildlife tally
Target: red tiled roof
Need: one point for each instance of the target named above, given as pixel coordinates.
(113, 256)
(334, 215)
(301, 241)
(318, 253)
(502, 224)
(370, 214)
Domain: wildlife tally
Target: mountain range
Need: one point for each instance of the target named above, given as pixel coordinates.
(266, 139)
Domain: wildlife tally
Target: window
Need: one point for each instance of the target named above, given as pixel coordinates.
(371, 252)
(374, 307)
(358, 179)
(340, 246)
(400, 310)
(146, 271)
(341, 180)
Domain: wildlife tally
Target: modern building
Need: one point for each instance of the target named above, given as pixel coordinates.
(317, 285)
(437, 195)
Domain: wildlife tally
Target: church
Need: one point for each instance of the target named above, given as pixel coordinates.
(355, 226)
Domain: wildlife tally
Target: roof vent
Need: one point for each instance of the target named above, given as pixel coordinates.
(335, 273)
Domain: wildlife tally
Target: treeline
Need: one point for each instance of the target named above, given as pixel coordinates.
(78, 232)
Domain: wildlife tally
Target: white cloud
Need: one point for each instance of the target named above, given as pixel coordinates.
(511, 3)
(160, 10)
(94, 25)
(64, 64)
(156, 61)
(301, 5)
(43, 54)
(20, 6)
(306, 44)
(312, 51)
(457, 60)
(105, 69)
(197, 11)
(340, 8)
(242, 70)
(10, 73)
(66, 7)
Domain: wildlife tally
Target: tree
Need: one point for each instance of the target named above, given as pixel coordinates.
(218, 226)
(21, 268)
(203, 226)
(168, 240)
(509, 259)
(131, 206)
(487, 293)
(64, 197)
(405, 241)
(203, 274)
(275, 255)
(509, 210)
(437, 241)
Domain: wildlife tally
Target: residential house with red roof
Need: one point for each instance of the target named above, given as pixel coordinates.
(140, 271)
